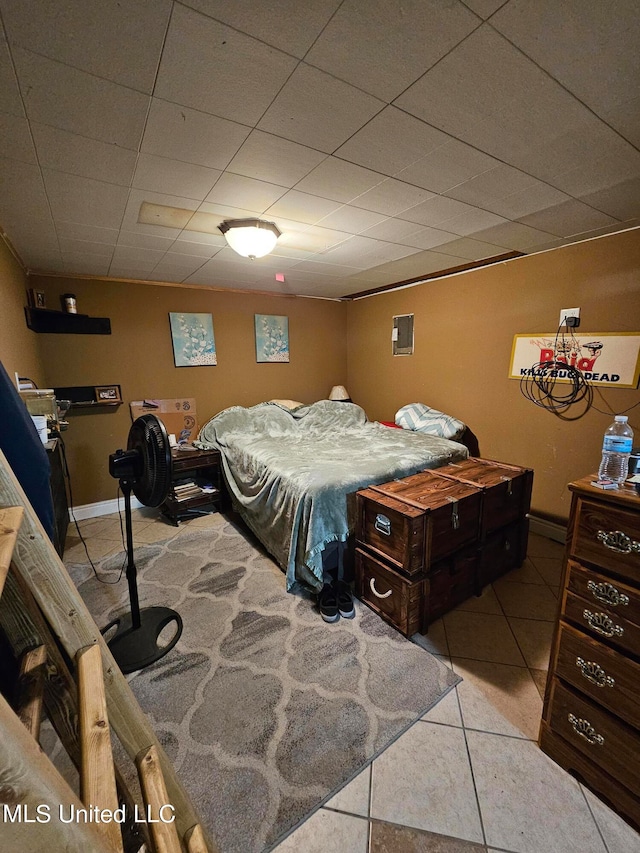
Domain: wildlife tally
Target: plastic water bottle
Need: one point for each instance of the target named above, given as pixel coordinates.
(616, 450)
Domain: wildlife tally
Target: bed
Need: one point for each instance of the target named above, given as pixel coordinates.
(292, 474)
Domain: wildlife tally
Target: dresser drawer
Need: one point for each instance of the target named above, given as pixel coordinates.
(603, 624)
(397, 599)
(602, 591)
(603, 674)
(607, 741)
(608, 537)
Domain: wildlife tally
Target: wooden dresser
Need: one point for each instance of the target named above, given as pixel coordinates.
(591, 716)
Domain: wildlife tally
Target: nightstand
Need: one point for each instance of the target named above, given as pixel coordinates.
(200, 468)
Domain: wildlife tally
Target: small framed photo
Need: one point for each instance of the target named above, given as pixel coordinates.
(107, 394)
(36, 298)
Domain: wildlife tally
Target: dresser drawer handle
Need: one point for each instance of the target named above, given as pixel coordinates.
(585, 730)
(602, 624)
(607, 594)
(455, 518)
(594, 673)
(382, 524)
(616, 540)
(372, 584)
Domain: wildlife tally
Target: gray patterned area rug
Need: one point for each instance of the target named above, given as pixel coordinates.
(265, 710)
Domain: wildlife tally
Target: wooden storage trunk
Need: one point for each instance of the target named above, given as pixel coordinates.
(506, 489)
(414, 522)
(451, 581)
(396, 598)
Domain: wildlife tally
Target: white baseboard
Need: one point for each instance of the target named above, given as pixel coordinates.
(101, 508)
(547, 528)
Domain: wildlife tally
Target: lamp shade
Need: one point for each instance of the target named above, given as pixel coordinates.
(339, 394)
(251, 238)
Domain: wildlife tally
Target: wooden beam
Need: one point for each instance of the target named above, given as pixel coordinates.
(195, 840)
(10, 520)
(36, 561)
(97, 778)
(30, 690)
(163, 834)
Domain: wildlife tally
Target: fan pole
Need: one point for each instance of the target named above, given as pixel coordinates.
(131, 566)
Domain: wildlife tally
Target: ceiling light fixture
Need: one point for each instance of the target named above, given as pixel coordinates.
(251, 238)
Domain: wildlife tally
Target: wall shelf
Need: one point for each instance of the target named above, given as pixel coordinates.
(43, 320)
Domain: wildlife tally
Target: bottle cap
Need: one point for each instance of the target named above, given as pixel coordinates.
(621, 418)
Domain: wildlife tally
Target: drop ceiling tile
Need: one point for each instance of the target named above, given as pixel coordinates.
(391, 197)
(474, 250)
(568, 219)
(384, 252)
(78, 199)
(38, 235)
(180, 133)
(447, 166)
(403, 41)
(174, 177)
(351, 252)
(73, 100)
(339, 180)
(493, 184)
(472, 221)
(289, 25)
(391, 141)
(200, 241)
(277, 161)
(79, 155)
(240, 191)
(144, 241)
(83, 247)
(538, 196)
(514, 235)
(15, 138)
(328, 268)
(45, 262)
(318, 110)
(430, 238)
(184, 264)
(607, 172)
(10, 97)
(394, 231)
(134, 273)
(167, 274)
(22, 193)
(622, 201)
(420, 264)
(136, 257)
(487, 93)
(203, 61)
(436, 210)
(575, 41)
(191, 248)
(138, 198)
(625, 118)
(310, 239)
(353, 219)
(119, 40)
(90, 233)
(81, 264)
(484, 8)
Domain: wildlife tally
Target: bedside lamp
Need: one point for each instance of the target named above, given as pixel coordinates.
(339, 394)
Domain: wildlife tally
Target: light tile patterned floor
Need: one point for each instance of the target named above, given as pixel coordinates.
(469, 776)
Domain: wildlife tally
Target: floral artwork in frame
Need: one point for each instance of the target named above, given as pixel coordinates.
(193, 341)
(272, 338)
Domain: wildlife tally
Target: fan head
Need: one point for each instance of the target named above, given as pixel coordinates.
(149, 449)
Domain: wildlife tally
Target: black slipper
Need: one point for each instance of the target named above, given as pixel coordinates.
(328, 604)
(345, 600)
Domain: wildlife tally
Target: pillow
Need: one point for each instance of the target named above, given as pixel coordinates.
(287, 404)
(421, 418)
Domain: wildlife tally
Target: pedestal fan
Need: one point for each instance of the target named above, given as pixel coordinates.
(144, 468)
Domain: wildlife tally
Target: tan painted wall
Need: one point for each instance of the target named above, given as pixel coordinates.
(138, 356)
(19, 350)
(464, 328)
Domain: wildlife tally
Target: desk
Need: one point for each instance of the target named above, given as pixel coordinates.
(202, 467)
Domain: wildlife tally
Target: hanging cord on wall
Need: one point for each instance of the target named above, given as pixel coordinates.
(557, 385)
(67, 475)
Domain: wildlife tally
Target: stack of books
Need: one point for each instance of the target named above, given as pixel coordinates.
(184, 491)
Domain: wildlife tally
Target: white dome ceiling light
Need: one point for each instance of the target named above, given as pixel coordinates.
(251, 238)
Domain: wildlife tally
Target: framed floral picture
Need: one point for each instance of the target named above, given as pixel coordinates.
(272, 338)
(193, 341)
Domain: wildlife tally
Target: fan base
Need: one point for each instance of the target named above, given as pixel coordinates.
(136, 648)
